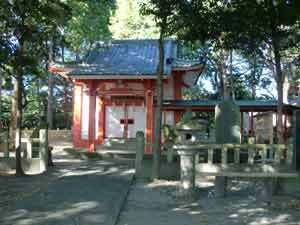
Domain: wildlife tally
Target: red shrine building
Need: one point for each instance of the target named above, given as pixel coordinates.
(115, 90)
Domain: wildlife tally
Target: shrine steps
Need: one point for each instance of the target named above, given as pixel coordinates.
(116, 147)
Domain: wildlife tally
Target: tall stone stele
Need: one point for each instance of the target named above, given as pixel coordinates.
(228, 130)
(228, 122)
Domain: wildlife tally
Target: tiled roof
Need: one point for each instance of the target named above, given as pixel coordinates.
(127, 57)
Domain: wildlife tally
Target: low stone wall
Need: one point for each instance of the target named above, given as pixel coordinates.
(29, 165)
(53, 135)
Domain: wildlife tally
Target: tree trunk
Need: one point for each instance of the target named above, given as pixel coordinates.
(158, 112)
(63, 53)
(279, 81)
(0, 93)
(50, 85)
(40, 108)
(231, 75)
(66, 105)
(253, 81)
(19, 90)
(13, 114)
(50, 101)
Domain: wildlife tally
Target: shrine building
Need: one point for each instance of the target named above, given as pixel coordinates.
(115, 93)
(115, 90)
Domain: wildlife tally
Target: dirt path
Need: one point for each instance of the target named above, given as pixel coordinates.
(74, 192)
(159, 204)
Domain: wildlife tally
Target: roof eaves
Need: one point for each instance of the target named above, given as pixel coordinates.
(115, 76)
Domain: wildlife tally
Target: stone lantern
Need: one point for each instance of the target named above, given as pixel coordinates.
(191, 131)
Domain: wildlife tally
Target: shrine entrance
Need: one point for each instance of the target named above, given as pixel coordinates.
(124, 120)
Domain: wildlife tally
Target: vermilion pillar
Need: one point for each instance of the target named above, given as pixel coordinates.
(92, 112)
(149, 120)
(101, 126)
(77, 102)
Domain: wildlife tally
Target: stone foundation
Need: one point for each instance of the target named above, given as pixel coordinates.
(53, 135)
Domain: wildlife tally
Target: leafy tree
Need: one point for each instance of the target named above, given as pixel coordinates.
(204, 21)
(163, 12)
(272, 27)
(197, 92)
(254, 70)
(1, 82)
(89, 24)
(127, 22)
(27, 24)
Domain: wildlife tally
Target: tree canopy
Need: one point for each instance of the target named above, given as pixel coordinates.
(89, 23)
(128, 23)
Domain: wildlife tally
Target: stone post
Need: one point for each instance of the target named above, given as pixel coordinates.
(6, 144)
(187, 171)
(43, 150)
(269, 186)
(140, 148)
(221, 186)
(29, 148)
(170, 154)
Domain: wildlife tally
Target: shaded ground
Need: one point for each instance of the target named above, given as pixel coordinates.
(83, 191)
(75, 192)
(159, 203)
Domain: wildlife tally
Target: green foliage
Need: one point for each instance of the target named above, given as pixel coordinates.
(254, 22)
(169, 134)
(27, 27)
(5, 110)
(186, 117)
(89, 23)
(164, 13)
(128, 23)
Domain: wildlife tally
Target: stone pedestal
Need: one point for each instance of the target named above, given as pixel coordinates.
(221, 186)
(268, 189)
(140, 148)
(43, 150)
(187, 171)
(6, 145)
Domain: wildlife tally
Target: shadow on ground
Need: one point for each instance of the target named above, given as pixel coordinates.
(73, 192)
(241, 206)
